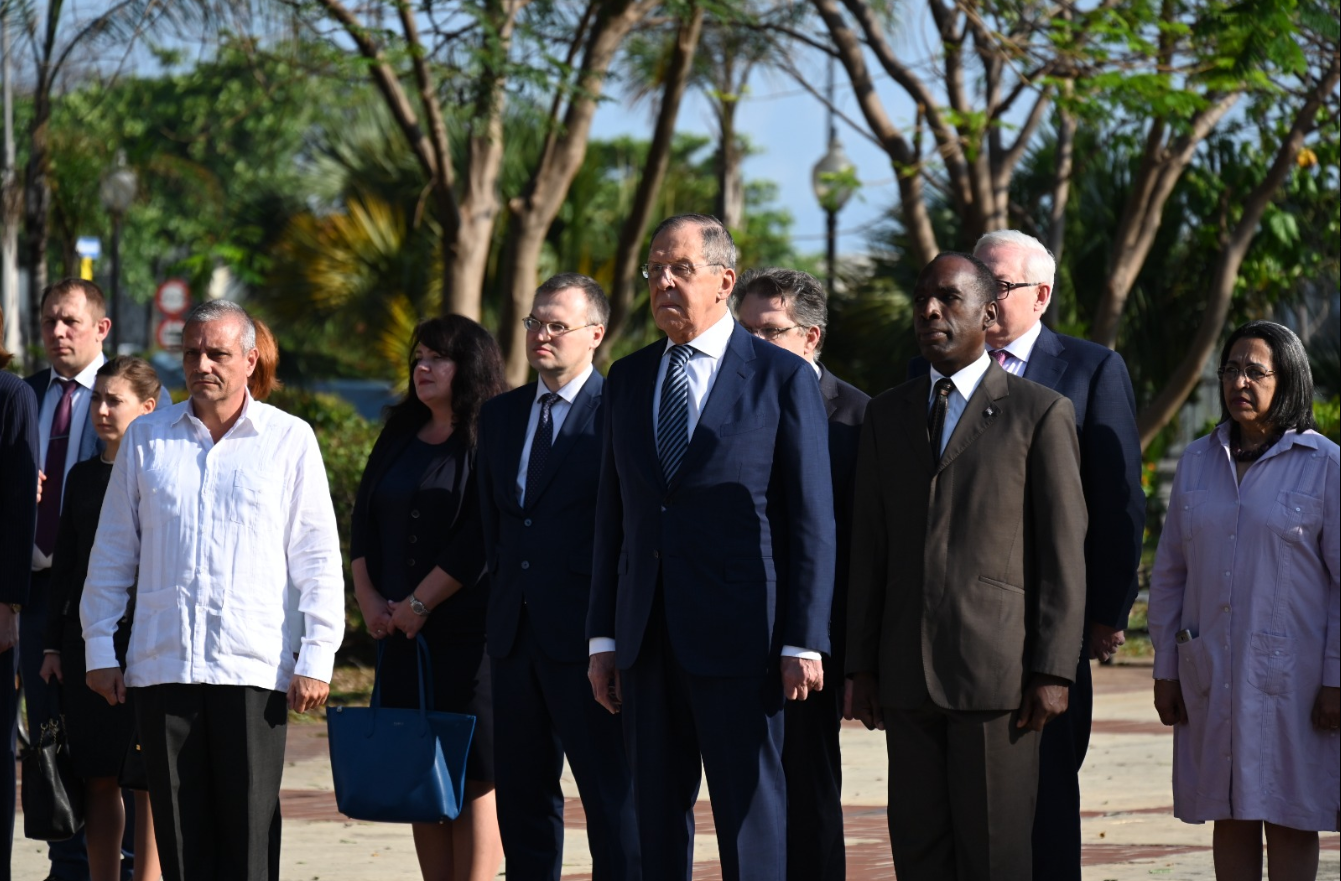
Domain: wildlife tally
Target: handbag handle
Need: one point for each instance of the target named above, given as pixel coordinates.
(425, 670)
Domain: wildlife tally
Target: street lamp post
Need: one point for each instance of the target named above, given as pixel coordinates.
(833, 185)
(118, 192)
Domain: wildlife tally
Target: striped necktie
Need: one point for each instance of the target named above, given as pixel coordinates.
(673, 420)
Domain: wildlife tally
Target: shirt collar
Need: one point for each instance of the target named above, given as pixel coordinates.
(713, 341)
(253, 414)
(568, 391)
(1292, 438)
(1023, 345)
(84, 377)
(966, 380)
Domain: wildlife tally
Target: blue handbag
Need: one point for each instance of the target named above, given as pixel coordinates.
(400, 765)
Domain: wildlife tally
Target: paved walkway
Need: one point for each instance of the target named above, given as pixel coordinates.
(1128, 826)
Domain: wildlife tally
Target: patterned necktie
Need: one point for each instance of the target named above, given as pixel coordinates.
(939, 405)
(49, 509)
(1000, 356)
(540, 446)
(673, 420)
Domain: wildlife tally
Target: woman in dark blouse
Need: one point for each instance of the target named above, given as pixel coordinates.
(418, 565)
(99, 733)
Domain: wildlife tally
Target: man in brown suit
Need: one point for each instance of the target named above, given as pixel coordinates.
(967, 586)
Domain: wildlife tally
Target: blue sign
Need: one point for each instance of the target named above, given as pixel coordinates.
(88, 246)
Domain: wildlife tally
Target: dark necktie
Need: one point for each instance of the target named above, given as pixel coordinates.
(540, 446)
(1000, 356)
(49, 509)
(673, 420)
(939, 404)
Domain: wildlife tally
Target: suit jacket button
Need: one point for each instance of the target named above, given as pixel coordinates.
(414, 538)
(656, 555)
(415, 513)
(410, 562)
(526, 522)
(526, 564)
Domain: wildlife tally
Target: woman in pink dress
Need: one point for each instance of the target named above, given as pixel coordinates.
(1245, 618)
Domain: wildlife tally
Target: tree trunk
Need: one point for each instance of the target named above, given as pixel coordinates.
(526, 236)
(37, 205)
(631, 232)
(1185, 377)
(730, 178)
(1061, 194)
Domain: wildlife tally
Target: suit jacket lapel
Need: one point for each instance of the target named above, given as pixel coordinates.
(829, 390)
(732, 377)
(514, 438)
(579, 417)
(1046, 365)
(978, 415)
(913, 411)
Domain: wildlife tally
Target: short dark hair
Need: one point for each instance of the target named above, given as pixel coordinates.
(141, 376)
(478, 377)
(803, 295)
(1292, 405)
(598, 305)
(97, 302)
(718, 245)
(985, 287)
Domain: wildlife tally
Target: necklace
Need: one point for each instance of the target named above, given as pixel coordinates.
(1249, 454)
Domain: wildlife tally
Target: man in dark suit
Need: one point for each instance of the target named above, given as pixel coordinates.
(713, 570)
(74, 324)
(539, 463)
(966, 598)
(18, 499)
(790, 309)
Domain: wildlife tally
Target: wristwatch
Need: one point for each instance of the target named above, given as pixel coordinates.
(16, 607)
(418, 607)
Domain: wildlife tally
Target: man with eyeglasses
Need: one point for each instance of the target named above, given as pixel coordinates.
(713, 569)
(789, 308)
(539, 463)
(1095, 380)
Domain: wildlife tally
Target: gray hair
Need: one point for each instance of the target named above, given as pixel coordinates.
(1039, 262)
(598, 305)
(802, 294)
(718, 246)
(221, 310)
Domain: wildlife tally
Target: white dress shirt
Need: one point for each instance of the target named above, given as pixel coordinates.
(701, 370)
(80, 401)
(558, 412)
(216, 531)
(966, 383)
(1019, 349)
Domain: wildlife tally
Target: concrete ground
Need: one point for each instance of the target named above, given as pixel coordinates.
(1128, 825)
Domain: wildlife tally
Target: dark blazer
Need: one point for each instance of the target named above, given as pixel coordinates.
(845, 405)
(969, 576)
(1095, 380)
(90, 444)
(443, 520)
(541, 554)
(741, 541)
(18, 486)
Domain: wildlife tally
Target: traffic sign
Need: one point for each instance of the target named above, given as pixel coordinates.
(88, 246)
(169, 333)
(173, 297)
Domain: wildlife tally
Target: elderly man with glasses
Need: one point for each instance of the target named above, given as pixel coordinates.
(1095, 380)
(713, 571)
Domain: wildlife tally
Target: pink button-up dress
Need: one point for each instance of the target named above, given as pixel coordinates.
(1252, 571)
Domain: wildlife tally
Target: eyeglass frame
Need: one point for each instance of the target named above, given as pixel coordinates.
(648, 271)
(770, 334)
(1224, 373)
(548, 326)
(1003, 287)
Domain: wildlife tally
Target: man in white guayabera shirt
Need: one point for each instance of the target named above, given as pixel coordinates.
(217, 503)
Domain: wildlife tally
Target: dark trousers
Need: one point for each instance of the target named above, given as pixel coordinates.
(214, 755)
(9, 718)
(813, 766)
(961, 794)
(672, 720)
(1062, 750)
(69, 859)
(543, 709)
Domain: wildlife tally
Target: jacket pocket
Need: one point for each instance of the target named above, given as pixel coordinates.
(743, 425)
(1193, 512)
(1001, 584)
(1194, 671)
(1271, 662)
(1295, 516)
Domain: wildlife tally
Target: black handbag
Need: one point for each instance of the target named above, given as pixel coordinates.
(53, 797)
(133, 774)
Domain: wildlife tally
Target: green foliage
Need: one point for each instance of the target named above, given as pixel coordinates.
(346, 439)
(1328, 416)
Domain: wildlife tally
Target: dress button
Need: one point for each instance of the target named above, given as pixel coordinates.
(415, 513)
(1231, 536)
(413, 539)
(526, 522)
(526, 564)
(1296, 508)
(656, 555)
(1226, 573)
(410, 562)
(1226, 608)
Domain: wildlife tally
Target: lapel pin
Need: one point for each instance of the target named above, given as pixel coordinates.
(989, 412)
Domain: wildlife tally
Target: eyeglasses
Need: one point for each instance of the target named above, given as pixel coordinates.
(1254, 374)
(681, 271)
(553, 328)
(769, 333)
(1004, 287)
